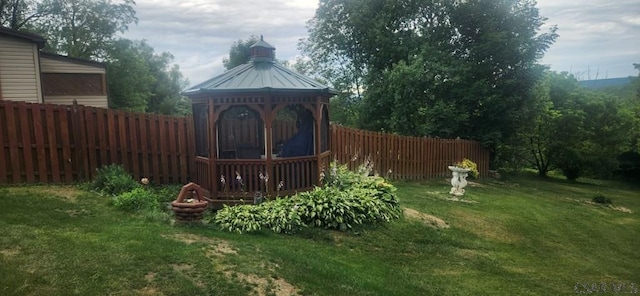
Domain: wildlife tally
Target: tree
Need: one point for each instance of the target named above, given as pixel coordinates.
(471, 63)
(532, 145)
(83, 28)
(239, 53)
(574, 129)
(141, 80)
(17, 13)
(130, 78)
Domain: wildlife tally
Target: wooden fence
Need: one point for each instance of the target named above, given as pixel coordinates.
(401, 157)
(45, 143)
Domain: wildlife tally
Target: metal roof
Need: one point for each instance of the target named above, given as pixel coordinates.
(260, 74)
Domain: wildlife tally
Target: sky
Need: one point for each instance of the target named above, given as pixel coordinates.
(598, 38)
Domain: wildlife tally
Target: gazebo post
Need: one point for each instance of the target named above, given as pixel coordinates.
(269, 117)
(213, 143)
(318, 138)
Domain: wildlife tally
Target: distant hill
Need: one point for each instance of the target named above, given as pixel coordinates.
(608, 82)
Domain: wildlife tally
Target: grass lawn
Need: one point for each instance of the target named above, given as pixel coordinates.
(524, 236)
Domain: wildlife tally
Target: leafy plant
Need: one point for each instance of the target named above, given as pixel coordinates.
(137, 199)
(601, 199)
(468, 164)
(348, 199)
(239, 219)
(113, 180)
(282, 215)
(167, 193)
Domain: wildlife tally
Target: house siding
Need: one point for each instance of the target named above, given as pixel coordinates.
(19, 70)
(53, 65)
(94, 101)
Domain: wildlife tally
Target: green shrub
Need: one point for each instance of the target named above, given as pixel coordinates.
(113, 180)
(601, 199)
(469, 164)
(137, 199)
(239, 219)
(326, 207)
(348, 199)
(281, 215)
(167, 193)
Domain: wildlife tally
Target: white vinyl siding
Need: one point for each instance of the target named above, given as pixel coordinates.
(52, 65)
(19, 70)
(94, 101)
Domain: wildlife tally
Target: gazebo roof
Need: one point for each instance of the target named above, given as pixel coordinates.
(261, 74)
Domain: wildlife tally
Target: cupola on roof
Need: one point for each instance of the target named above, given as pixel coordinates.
(262, 73)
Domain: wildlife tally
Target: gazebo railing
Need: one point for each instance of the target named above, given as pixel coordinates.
(295, 173)
(201, 176)
(242, 178)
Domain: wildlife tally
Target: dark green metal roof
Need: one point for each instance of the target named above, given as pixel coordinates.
(261, 74)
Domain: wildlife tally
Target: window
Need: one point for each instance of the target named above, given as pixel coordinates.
(73, 84)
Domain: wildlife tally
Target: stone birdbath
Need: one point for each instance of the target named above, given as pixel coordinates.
(459, 180)
(190, 204)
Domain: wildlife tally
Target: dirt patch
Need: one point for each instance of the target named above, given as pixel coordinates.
(469, 253)
(447, 196)
(10, 252)
(68, 193)
(217, 250)
(263, 286)
(610, 206)
(182, 267)
(149, 291)
(458, 199)
(75, 213)
(218, 247)
(150, 277)
(621, 209)
(429, 220)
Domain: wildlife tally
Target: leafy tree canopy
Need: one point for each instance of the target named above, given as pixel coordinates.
(240, 52)
(432, 67)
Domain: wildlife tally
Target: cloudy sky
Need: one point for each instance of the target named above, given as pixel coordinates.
(598, 38)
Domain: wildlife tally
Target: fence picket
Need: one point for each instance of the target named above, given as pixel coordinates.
(27, 151)
(3, 154)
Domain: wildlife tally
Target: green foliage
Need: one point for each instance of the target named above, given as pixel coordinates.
(432, 67)
(328, 208)
(239, 53)
(138, 199)
(240, 219)
(468, 164)
(142, 80)
(579, 131)
(83, 28)
(113, 180)
(347, 200)
(167, 193)
(601, 199)
(282, 215)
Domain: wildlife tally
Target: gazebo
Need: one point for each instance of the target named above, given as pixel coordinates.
(260, 129)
